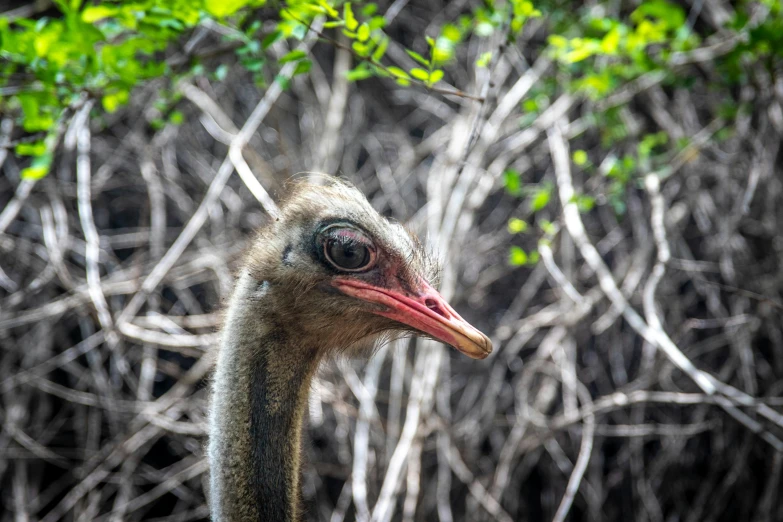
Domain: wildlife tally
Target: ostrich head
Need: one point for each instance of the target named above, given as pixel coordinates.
(337, 272)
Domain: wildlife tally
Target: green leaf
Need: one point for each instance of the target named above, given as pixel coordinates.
(331, 11)
(315, 9)
(540, 199)
(580, 157)
(351, 23)
(363, 33)
(292, 56)
(93, 13)
(377, 55)
(254, 65)
(577, 55)
(451, 32)
(513, 182)
(303, 67)
(399, 73)
(435, 76)
(35, 119)
(557, 41)
(420, 74)
(516, 226)
(359, 73)
(671, 14)
(547, 227)
(419, 58)
(443, 50)
(484, 59)
(611, 41)
(112, 101)
(270, 39)
(283, 82)
(585, 203)
(517, 256)
(362, 49)
(533, 258)
(36, 148)
(377, 22)
(223, 8)
(176, 118)
(38, 168)
(596, 85)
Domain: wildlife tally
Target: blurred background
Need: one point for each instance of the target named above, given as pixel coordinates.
(600, 180)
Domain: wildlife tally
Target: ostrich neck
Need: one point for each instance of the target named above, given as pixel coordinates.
(259, 397)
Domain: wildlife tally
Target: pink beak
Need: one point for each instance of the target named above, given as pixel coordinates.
(427, 312)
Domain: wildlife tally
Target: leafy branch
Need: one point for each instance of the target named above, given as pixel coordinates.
(371, 50)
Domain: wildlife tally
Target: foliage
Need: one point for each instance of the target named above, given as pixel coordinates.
(618, 51)
(50, 66)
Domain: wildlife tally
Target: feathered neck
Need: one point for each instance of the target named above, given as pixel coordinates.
(259, 396)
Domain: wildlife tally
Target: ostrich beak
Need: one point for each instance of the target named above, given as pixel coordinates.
(427, 312)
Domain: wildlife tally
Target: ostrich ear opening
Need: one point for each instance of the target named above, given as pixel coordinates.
(427, 312)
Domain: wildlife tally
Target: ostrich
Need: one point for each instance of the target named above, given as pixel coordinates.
(329, 275)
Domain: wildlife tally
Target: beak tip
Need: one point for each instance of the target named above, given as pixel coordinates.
(479, 349)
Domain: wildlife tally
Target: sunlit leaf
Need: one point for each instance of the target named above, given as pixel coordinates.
(112, 101)
(379, 51)
(93, 13)
(359, 73)
(517, 256)
(484, 59)
(516, 226)
(223, 8)
(557, 41)
(35, 148)
(611, 41)
(420, 74)
(540, 199)
(580, 157)
(351, 23)
(419, 58)
(399, 73)
(577, 55)
(671, 14)
(363, 33)
(39, 168)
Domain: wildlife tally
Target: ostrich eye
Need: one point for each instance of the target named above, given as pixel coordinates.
(349, 250)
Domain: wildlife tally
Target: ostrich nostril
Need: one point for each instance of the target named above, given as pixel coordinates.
(432, 304)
